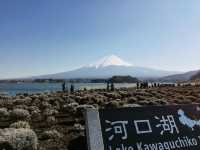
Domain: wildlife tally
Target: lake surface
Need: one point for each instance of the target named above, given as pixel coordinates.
(14, 88)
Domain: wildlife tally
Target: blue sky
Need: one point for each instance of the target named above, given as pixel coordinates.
(49, 36)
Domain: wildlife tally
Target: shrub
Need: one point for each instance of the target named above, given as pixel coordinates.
(143, 102)
(35, 113)
(112, 104)
(24, 101)
(4, 112)
(81, 108)
(113, 95)
(140, 98)
(70, 108)
(34, 110)
(51, 120)
(20, 124)
(20, 114)
(50, 112)
(132, 100)
(51, 134)
(45, 105)
(36, 101)
(21, 107)
(191, 98)
(6, 102)
(78, 127)
(19, 139)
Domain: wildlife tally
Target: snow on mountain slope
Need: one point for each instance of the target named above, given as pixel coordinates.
(111, 60)
(108, 67)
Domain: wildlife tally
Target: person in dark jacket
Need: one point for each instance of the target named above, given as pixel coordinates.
(63, 86)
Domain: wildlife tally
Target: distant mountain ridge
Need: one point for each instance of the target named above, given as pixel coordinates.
(107, 72)
(196, 76)
(107, 67)
(179, 77)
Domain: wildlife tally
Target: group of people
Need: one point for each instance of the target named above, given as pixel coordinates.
(144, 85)
(65, 88)
(110, 86)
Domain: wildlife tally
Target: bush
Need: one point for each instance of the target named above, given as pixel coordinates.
(191, 98)
(45, 105)
(24, 101)
(132, 100)
(19, 139)
(70, 108)
(20, 114)
(4, 112)
(51, 120)
(50, 112)
(78, 127)
(51, 134)
(21, 107)
(35, 113)
(140, 98)
(20, 124)
(112, 104)
(81, 108)
(36, 101)
(6, 102)
(34, 110)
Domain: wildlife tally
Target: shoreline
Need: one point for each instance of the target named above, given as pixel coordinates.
(34, 88)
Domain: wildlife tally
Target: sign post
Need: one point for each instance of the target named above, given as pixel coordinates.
(93, 129)
(144, 128)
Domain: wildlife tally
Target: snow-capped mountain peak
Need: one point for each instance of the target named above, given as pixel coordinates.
(106, 68)
(111, 60)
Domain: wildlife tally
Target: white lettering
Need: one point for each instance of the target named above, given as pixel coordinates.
(161, 147)
(153, 146)
(179, 143)
(139, 146)
(121, 147)
(166, 145)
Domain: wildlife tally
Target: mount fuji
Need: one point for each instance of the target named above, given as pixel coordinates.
(107, 67)
(111, 60)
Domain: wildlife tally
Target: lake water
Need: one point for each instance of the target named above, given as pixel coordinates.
(14, 88)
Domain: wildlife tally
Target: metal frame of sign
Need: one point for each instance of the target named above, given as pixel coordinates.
(93, 130)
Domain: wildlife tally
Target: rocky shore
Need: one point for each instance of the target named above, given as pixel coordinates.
(49, 121)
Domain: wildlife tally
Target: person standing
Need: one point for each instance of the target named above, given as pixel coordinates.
(63, 86)
(108, 86)
(138, 85)
(72, 88)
